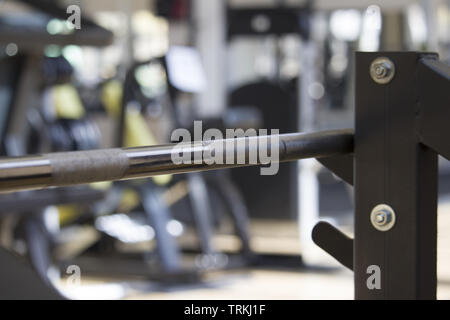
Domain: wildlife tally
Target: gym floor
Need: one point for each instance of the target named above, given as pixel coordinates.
(305, 283)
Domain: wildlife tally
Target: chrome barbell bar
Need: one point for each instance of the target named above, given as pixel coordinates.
(80, 167)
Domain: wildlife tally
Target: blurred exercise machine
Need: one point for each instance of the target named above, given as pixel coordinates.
(274, 96)
(164, 201)
(32, 124)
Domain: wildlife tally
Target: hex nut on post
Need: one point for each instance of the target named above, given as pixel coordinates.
(382, 70)
(382, 217)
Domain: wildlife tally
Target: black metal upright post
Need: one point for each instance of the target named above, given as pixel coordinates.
(395, 182)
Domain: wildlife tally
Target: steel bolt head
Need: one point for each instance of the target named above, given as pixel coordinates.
(382, 70)
(382, 217)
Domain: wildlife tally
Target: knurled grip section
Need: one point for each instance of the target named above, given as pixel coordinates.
(88, 166)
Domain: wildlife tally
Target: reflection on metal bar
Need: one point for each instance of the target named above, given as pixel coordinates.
(79, 167)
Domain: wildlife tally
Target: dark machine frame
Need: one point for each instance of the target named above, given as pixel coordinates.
(400, 128)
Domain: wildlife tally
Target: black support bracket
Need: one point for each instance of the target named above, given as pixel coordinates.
(402, 112)
(334, 242)
(340, 165)
(434, 105)
(393, 168)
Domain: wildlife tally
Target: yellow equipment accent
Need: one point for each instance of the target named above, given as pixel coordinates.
(111, 96)
(67, 102)
(138, 134)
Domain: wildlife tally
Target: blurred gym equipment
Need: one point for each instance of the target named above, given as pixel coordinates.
(166, 201)
(33, 124)
(274, 96)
